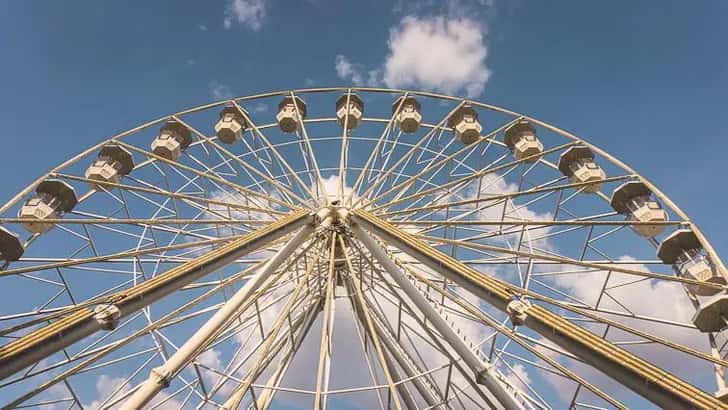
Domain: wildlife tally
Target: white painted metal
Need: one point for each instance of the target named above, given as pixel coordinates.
(173, 207)
(483, 372)
(161, 376)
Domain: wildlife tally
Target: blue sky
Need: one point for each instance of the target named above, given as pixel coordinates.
(644, 80)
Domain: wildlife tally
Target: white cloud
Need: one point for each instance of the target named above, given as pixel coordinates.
(260, 107)
(645, 297)
(439, 54)
(331, 184)
(107, 385)
(346, 70)
(202, 27)
(248, 13)
(356, 73)
(220, 91)
(517, 376)
(436, 54)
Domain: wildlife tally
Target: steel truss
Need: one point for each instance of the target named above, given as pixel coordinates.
(352, 264)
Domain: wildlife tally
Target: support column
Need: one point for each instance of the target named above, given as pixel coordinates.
(266, 396)
(237, 395)
(483, 372)
(361, 310)
(86, 321)
(160, 377)
(323, 372)
(644, 378)
(394, 353)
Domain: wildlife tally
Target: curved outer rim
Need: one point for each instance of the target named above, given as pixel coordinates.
(621, 164)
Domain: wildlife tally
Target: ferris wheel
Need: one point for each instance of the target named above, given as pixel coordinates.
(355, 248)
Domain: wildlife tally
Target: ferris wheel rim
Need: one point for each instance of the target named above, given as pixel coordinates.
(120, 136)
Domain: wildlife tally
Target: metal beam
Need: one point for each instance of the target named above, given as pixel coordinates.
(644, 378)
(483, 371)
(327, 328)
(160, 377)
(265, 397)
(361, 311)
(47, 340)
(405, 363)
(236, 397)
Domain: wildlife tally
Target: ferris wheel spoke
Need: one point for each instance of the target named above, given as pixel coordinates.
(569, 261)
(277, 154)
(200, 339)
(296, 330)
(170, 320)
(321, 187)
(136, 221)
(256, 183)
(365, 317)
(327, 328)
(430, 139)
(379, 146)
(437, 166)
(101, 352)
(344, 153)
(191, 199)
(423, 380)
(256, 368)
(380, 180)
(24, 351)
(434, 341)
(212, 177)
(286, 192)
(422, 371)
(489, 169)
(510, 195)
(511, 334)
(484, 374)
(500, 295)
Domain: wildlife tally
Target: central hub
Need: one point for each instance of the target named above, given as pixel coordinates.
(333, 215)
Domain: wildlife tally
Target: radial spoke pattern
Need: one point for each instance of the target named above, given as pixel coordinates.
(216, 192)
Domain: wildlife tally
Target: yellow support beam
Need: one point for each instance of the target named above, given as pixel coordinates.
(49, 339)
(646, 379)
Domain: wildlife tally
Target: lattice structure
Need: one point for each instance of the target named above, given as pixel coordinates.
(355, 248)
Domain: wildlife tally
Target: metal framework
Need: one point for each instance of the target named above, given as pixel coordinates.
(368, 247)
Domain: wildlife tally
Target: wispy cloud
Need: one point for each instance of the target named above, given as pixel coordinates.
(356, 73)
(260, 107)
(248, 13)
(220, 91)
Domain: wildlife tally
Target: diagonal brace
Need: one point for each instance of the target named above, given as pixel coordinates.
(644, 378)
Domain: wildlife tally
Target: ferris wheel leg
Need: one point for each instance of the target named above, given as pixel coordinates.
(644, 378)
(484, 373)
(408, 366)
(297, 333)
(85, 321)
(160, 377)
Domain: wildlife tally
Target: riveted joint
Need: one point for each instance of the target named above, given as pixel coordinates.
(517, 310)
(107, 315)
(161, 376)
